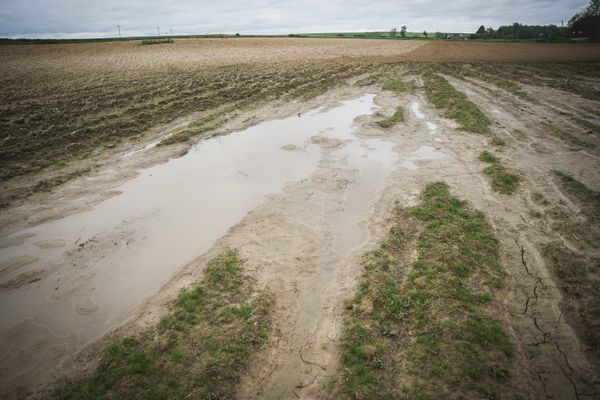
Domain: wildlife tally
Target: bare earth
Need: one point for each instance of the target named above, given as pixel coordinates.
(295, 241)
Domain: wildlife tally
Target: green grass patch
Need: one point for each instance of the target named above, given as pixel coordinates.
(198, 350)
(428, 332)
(487, 157)
(455, 105)
(503, 181)
(397, 86)
(393, 120)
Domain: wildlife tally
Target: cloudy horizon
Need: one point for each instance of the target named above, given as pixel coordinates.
(80, 19)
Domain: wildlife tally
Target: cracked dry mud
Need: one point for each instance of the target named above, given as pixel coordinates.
(304, 242)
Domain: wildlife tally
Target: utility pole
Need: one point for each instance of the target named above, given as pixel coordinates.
(158, 30)
(119, 28)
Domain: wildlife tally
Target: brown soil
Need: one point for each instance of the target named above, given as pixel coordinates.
(481, 51)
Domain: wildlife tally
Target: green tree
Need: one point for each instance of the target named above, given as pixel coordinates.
(587, 22)
(393, 33)
(481, 31)
(403, 31)
(594, 7)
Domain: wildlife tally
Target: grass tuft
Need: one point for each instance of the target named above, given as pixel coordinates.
(397, 86)
(487, 157)
(455, 105)
(199, 350)
(429, 332)
(393, 120)
(503, 181)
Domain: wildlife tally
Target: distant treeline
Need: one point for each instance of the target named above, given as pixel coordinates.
(518, 31)
(584, 24)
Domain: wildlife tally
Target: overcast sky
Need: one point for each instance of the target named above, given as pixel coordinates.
(94, 18)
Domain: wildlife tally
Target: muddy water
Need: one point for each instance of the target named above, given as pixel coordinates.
(416, 109)
(370, 161)
(90, 270)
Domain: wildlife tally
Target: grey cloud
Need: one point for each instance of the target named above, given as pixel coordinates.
(79, 18)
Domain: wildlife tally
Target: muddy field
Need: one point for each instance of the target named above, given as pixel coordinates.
(288, 185)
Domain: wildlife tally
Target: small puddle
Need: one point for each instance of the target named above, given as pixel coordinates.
(433, 128)
(106, 261)
(370, 161)
(423, 153)
(415, 108)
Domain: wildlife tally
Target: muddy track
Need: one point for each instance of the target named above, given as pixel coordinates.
(550, 361)
(557, 357)
(305, 241)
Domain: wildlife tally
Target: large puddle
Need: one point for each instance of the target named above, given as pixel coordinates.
(98, 265)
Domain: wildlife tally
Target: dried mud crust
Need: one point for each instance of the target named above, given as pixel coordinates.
(560, 360)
